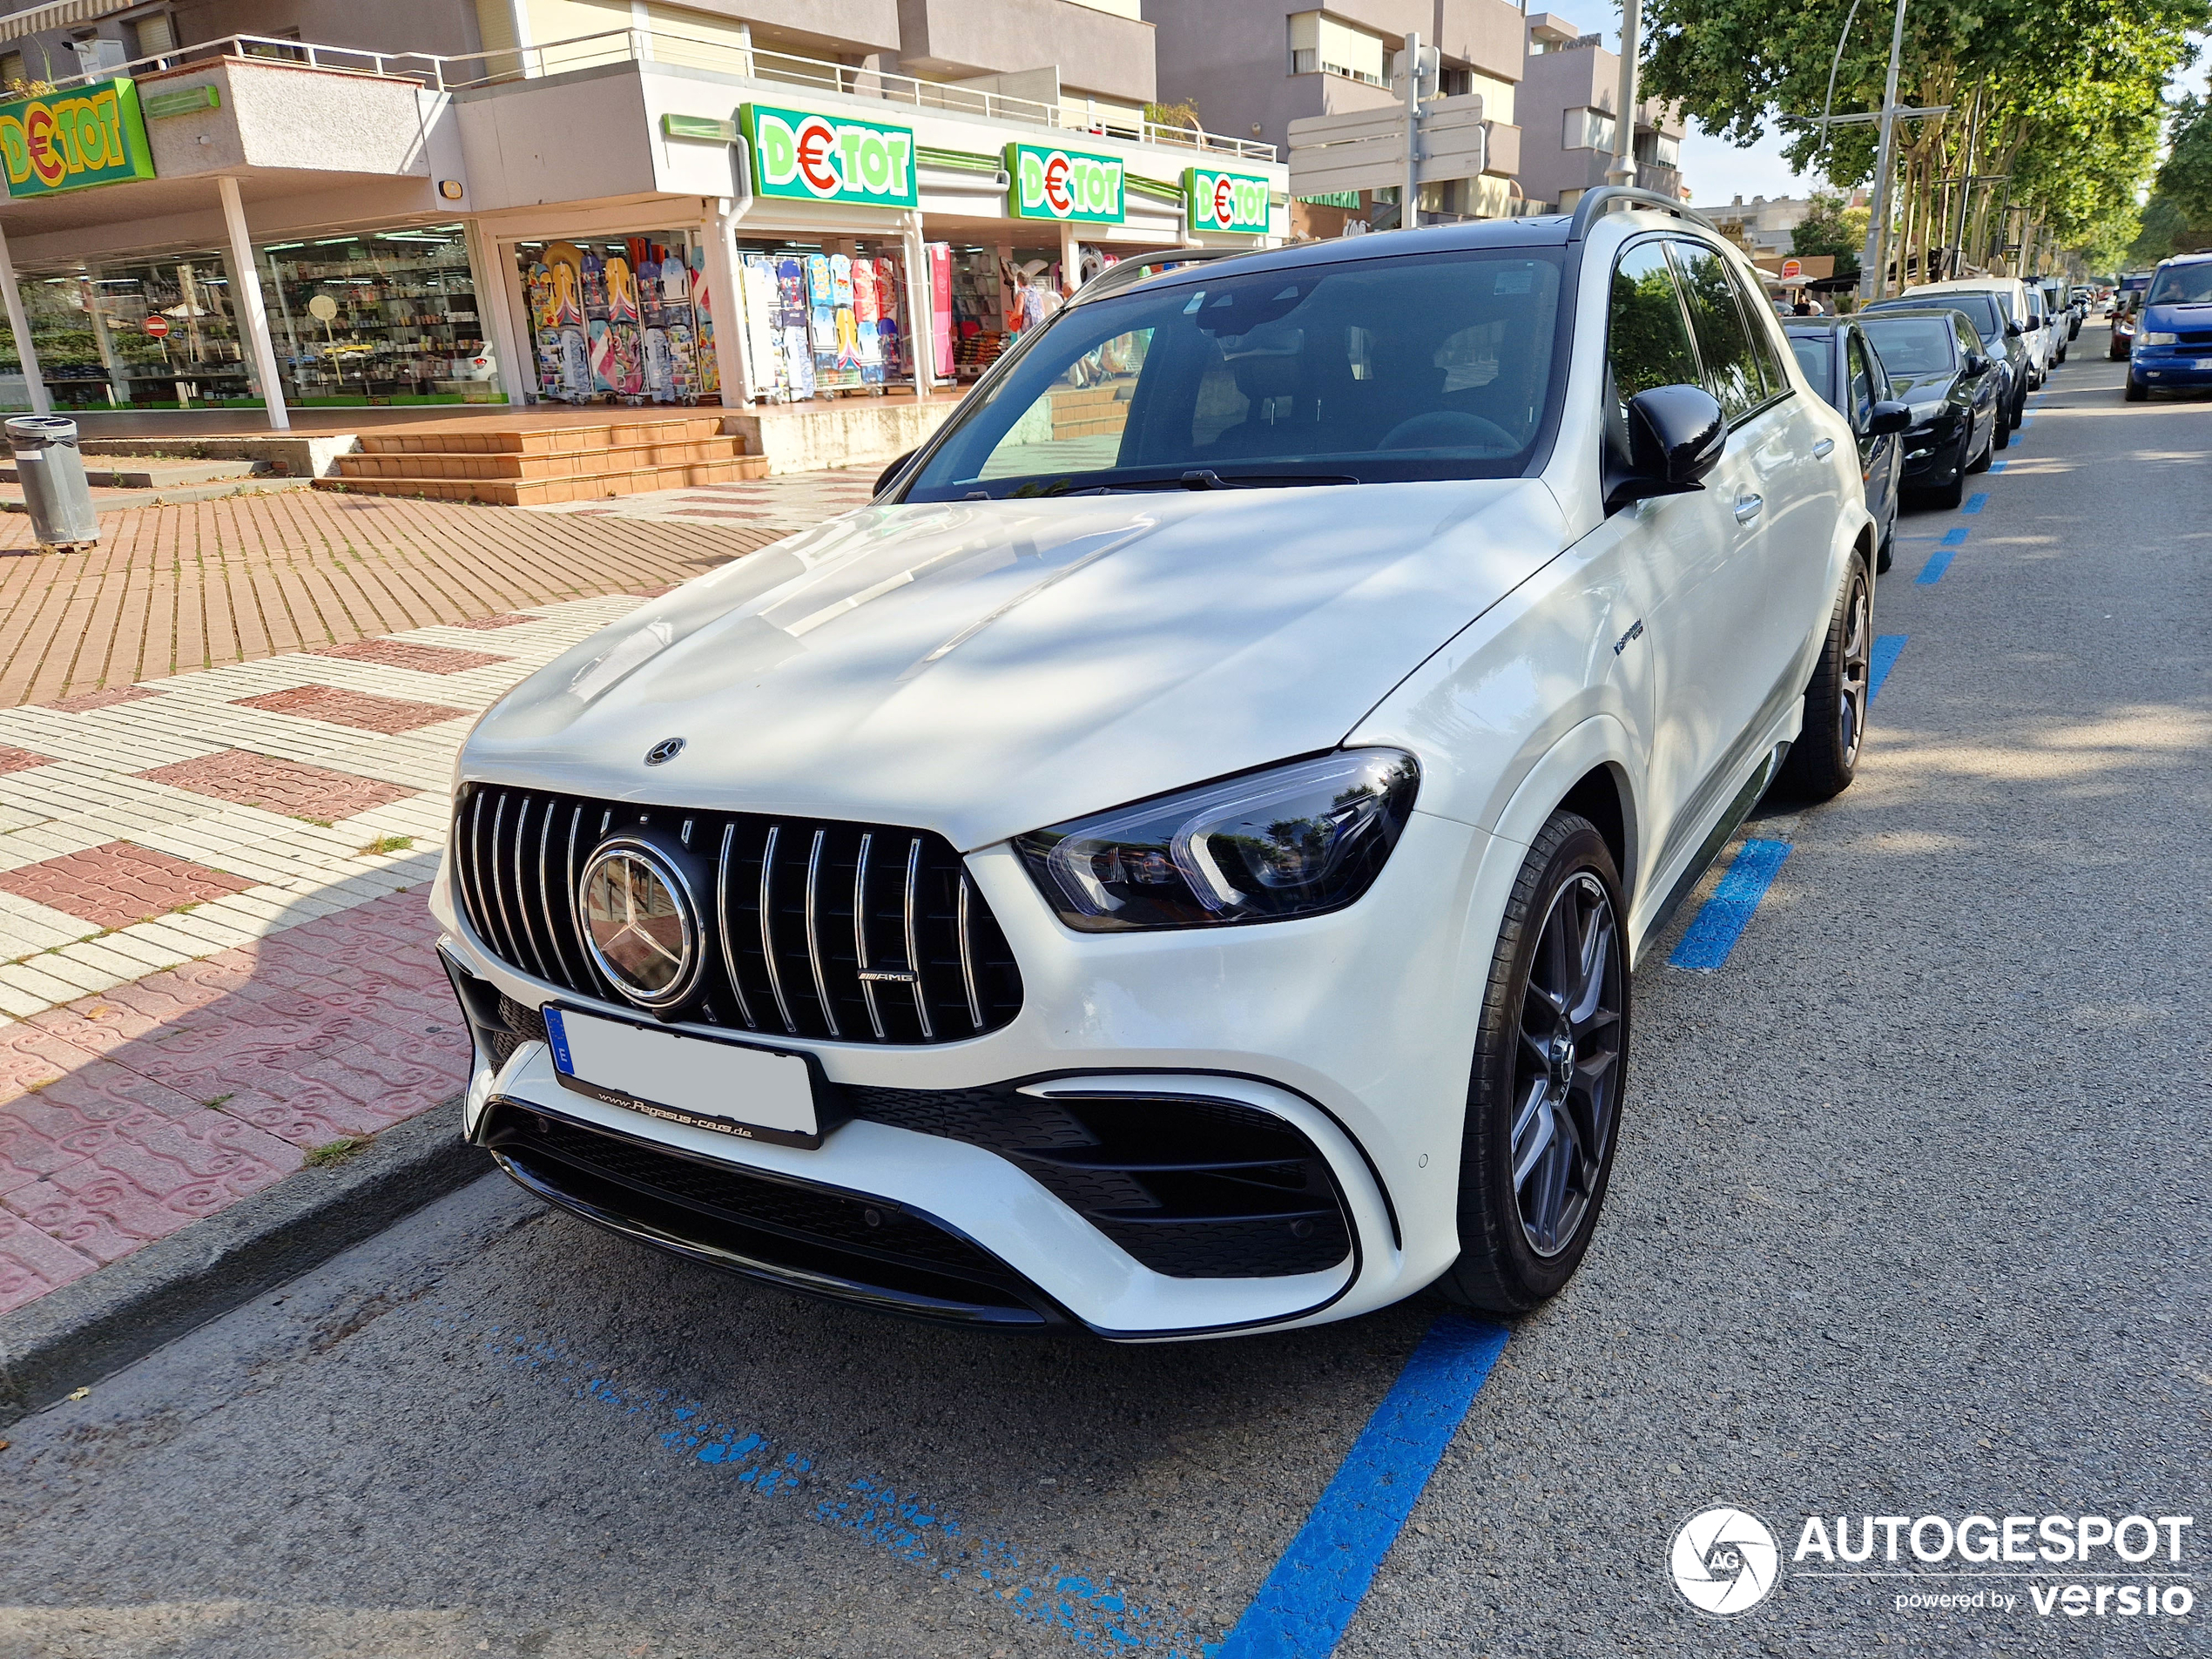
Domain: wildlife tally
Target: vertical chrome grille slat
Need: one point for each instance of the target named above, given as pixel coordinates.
(467, 866)
(545, 898)
(725, 921)
(968, 956)
(913, 939)
(768, 929)
(860, 935)
(598, 980)
(815, 933)
(521, 893)
(498, 891)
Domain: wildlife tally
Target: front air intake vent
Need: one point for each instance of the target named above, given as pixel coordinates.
(856, 933)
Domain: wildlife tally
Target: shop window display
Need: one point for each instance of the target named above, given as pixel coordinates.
(624, 319)
(142, 333)
(389, 317)
(820, 320)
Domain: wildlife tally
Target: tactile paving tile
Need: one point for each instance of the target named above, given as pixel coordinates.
(84, 702)
(339, 706)
(21, 760)
(292, 788)
(401, 653)
(118, 884)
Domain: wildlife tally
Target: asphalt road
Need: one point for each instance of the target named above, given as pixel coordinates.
(1910, 1218)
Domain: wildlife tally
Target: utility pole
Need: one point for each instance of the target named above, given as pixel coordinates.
(1872, 270)
(1965, 184)
(1409, 193)
(1624, 170)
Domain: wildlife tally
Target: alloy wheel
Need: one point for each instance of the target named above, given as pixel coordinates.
(1567, 1064)
(1852, 685)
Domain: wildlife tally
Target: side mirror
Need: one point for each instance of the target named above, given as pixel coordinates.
(1675, 437)
(2013, 330)
(884, 478)
(1888, 416)
(1977, 366)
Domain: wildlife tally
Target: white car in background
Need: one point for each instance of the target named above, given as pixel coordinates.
(2022, 304)
(1172, 864)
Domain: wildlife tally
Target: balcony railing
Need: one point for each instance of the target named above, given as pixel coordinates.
(454, 72)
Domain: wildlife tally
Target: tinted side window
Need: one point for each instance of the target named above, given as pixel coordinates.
(1759, 319)
(1732, 368)
(1648, 343)
(1862, 383)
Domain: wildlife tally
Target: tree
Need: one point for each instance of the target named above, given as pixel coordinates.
(1833, 226)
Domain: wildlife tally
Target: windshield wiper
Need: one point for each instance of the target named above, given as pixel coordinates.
(1207, 478)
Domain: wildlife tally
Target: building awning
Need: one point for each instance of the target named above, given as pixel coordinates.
(59, 14)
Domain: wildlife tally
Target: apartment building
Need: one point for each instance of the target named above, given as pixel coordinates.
(1252, 67)
(516, 200)
(1570, 99)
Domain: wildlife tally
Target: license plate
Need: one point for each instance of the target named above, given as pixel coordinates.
(704, 1083)
(2202, 363)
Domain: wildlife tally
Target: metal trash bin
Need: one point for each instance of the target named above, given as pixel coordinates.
(51, 472)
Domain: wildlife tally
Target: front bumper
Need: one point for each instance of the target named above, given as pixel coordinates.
(1934, 459)
(2171, 365)
(1354, 1030)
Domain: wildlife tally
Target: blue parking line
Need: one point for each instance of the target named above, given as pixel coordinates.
(1976, 501)
(1303, 1608)
(1723, 917)
(1998, 466)
(1931, 572)
(1955, 537)
(1887, 647)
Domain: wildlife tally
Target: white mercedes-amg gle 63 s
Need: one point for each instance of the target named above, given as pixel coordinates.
(1172, 864)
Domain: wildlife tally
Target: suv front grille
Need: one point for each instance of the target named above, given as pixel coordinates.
(859, 933)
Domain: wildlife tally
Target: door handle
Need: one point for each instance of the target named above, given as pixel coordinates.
(1822, 450)
(1748, 508)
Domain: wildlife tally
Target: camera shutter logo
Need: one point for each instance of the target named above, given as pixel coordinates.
(1724, 1560)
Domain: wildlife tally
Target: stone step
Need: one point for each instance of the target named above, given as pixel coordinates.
(543, 492)
(469, 438)
(511, 464)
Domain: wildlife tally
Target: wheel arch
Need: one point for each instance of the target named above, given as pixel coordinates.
(1587, 770)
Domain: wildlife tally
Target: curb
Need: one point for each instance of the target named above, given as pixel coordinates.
(97, 1325)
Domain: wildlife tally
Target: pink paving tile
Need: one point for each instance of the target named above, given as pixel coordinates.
(119, 883)
(401, 653)
(509, 620)
(289, 786)
(32, 1264)
(334, 706)
(84, 702)
(108, 1090)
(21, 760)
(107, 1214)
(31, 1059)
(27, 1153)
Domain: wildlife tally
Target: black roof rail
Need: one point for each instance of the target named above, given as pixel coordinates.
(1143, 267)
(1603, 199)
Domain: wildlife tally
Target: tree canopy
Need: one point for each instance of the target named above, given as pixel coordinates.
(2054, 108)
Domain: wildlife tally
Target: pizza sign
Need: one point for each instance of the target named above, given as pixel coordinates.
(1063, 184)
(1226, 201)
(89, 135)
(798, 156)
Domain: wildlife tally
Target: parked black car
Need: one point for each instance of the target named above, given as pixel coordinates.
(1847, 371)
(2002, 341)
(1935, 362)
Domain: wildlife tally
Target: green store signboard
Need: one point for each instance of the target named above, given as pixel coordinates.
(798, 156)
(1224, 201)
(1062, 185)
(89, 135)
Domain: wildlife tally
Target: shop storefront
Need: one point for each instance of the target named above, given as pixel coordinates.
(825, 246)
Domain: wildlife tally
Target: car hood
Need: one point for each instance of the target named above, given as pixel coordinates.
(2175, 320)
(985, 668)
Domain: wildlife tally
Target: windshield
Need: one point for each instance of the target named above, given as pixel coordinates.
(1982, 308)
(2183, 284)
(1912, 345)
(1359, 371)
(1816, 354)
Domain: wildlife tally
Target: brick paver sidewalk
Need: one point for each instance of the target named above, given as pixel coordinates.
(780, 505)
(215, 955)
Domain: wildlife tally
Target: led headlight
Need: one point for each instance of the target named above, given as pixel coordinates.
(2154, 337)
(1292, 840)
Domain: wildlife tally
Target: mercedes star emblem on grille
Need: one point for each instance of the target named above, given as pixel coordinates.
(640, 923)
(666, 749)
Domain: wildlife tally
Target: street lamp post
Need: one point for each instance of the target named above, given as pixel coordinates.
(1871, 273)
(1624, 170)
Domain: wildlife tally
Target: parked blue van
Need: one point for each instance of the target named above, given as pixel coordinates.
(2173, 345)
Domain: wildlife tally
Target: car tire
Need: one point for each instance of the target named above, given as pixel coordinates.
(1543, 1114)
(2003, 438)
(2136, 390)
(1988, 450)
(1824, 758)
